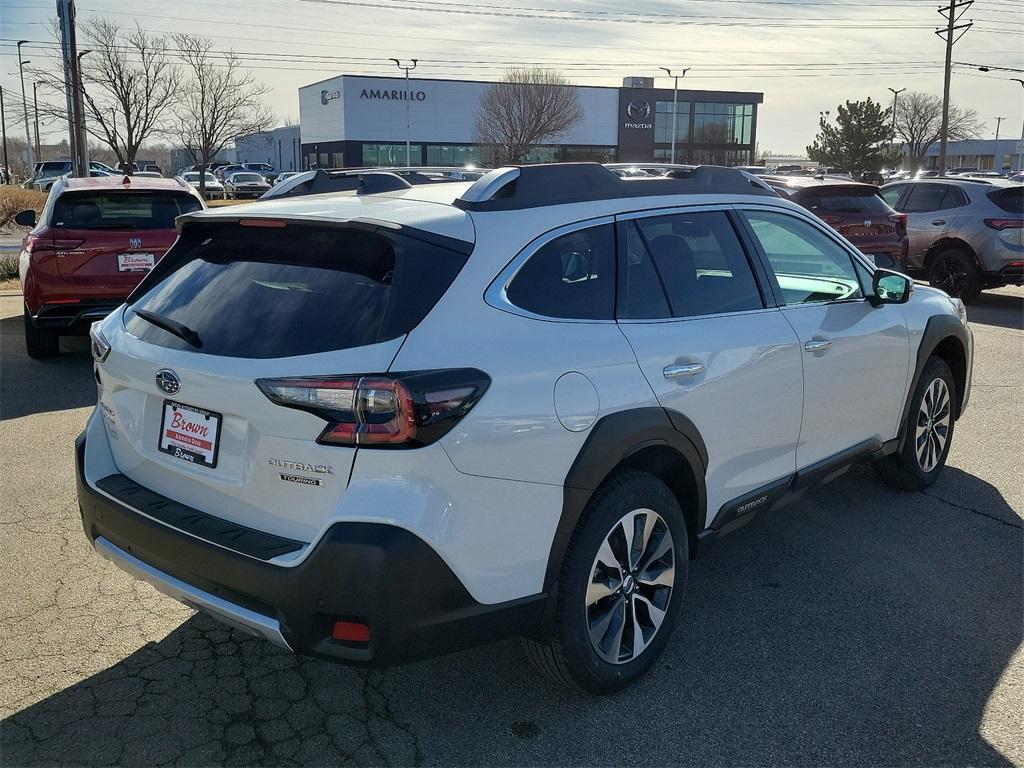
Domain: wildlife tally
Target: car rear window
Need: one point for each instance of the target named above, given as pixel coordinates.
(298, 290)
(117, 209)
(841, 200)
(1010, 199)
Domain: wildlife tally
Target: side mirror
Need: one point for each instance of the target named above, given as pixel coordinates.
(889, 287)
(25, 218)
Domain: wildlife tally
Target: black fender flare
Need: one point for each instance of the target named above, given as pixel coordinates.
(611, 440)
(936, 331)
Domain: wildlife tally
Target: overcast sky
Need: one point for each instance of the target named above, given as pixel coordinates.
(804, 55)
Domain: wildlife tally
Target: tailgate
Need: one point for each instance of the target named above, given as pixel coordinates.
(268, 472)
(119, 233)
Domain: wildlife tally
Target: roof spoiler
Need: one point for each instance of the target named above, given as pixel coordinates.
(533, 186)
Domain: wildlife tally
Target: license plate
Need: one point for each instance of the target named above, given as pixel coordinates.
(189, 433)
(135, 262)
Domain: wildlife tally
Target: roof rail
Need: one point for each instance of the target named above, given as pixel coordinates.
(532, 186)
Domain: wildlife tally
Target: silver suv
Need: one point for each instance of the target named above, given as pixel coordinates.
(965, 234)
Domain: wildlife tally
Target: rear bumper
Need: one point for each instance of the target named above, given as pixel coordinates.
(372, 573)
(1011, 274)
(74, 317)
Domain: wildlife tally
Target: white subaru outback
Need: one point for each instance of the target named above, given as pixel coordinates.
(381, 425)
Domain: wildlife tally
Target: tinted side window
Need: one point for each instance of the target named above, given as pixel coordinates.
(892, 195)
(701, 263)
(925, 198)
(573, 277)
(954, 198)
(808, 264)
(642, 295)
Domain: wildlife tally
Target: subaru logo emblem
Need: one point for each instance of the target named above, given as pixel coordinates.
(168, 381)
(135, 242)
(638, 109)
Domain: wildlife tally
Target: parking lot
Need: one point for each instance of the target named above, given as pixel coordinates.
(859, 626)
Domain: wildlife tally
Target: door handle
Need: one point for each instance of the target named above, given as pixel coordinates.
(677, 371)
(818, 345)
(938, 222)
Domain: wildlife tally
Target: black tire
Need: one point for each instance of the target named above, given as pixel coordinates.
(569, 657)
(955, 272)
(39, 343)
(904, 469)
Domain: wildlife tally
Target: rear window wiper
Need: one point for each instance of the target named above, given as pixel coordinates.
(171, 326)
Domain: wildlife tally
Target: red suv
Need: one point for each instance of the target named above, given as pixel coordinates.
(95, 241)
(857, 211)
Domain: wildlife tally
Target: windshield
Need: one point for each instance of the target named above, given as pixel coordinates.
(246, 177)
(116, 209)
(193, 176)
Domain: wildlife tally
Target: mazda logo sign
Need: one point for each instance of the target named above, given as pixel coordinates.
(168, 381)
(638, 109)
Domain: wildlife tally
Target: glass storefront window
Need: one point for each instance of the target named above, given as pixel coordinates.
(726, 157)
(390, 155)
(453, 155)
(722, 123)
(663, 122)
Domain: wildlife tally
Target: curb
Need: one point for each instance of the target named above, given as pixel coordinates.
(8, 294)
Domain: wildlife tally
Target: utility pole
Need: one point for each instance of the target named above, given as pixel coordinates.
(407, 144)
(952, 13)
(35, 107)
(675, 105)
(3, 126)
(24, 107)
(73, 87)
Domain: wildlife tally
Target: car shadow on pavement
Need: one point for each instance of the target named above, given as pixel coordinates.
(30, 386)
(1001, 309)
(858, 626)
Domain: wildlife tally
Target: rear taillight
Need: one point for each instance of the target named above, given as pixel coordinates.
(1005, 223)
(404, 410)
(832, 221)
(898, 218)
(47, 245)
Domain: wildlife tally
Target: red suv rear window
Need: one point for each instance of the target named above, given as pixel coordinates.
(117, 209)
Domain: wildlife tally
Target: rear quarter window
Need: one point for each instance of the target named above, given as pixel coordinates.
(1010, 199)
(298, 290)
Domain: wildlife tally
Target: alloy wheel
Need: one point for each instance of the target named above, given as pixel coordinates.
(950, 275)
(630, 586)
(932, 430)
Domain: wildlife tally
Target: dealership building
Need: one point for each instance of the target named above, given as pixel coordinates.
(352, 121)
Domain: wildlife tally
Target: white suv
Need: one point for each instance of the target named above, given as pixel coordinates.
(382, 425)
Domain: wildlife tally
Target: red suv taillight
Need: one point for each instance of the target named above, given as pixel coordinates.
(405, 410)
(46, 245)
(899, 218)
(1005, 223)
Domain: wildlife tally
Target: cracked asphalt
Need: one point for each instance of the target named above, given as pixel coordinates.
(858, 627)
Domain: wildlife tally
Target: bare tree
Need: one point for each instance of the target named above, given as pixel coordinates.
(129, 84)
(219, 100)
(919, 124)
(525, 108)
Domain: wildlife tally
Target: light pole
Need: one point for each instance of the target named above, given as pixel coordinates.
(895, 95)
(675, 105)
(24, 106)
(1020, 149)
(81, 117)
(995, 151)
(3, 128)
(35, 109)
(406, 69)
